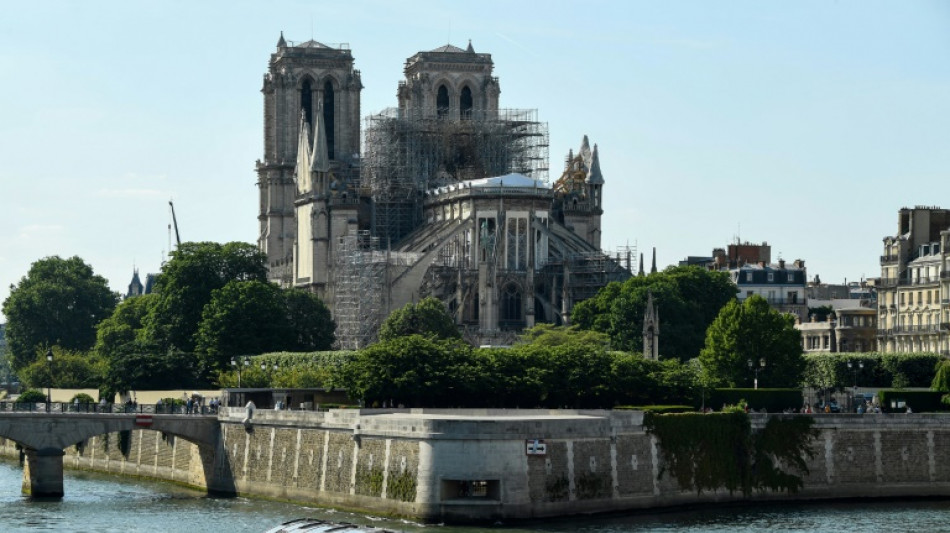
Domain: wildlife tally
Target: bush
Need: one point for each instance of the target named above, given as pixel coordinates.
(32, 396)
(83, 398)
(772, 400)
(919, 401)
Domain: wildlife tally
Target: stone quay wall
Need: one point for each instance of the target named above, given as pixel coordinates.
(475, 465)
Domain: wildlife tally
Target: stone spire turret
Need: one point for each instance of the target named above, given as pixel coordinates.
(281, 43)
(653, 268)
(594, 177)
(651, 330)
(320, 161)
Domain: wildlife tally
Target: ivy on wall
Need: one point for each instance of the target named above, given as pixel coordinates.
(556, 488)
(402, 486)
(719, 451)
(369, 481)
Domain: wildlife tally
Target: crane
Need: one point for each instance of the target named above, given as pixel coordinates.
(175, 221)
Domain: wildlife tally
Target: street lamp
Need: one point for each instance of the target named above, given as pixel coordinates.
(264, 368)
(247, 362)
(854, 372)
(49, 384)
(756, 369)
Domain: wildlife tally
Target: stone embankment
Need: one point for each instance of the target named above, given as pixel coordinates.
(479, 465)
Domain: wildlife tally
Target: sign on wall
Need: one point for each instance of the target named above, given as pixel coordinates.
(535, 447)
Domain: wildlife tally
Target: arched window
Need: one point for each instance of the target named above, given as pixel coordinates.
(306, 101)
(442, 102)
(328, 108)
(511, 304)
(465, 103)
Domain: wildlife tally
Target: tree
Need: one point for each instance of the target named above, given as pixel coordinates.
(254, 317)
(123, 331)
(186, 282)
(58, 303)
(428, 318)
(70, 370)
(243, 317)
(751, 331)
(687, 299)
(311, 325)
(414, 370)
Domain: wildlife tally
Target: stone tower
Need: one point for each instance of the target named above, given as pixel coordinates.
(651, 330)
(449, 82)
(302, 80)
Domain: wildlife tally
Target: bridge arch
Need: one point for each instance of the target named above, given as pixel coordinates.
(43, 438)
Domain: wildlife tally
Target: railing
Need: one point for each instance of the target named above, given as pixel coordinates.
(888, 283)
(945, 274)
(923, 280)
(931, 328)
(890, 258)
(109, 408)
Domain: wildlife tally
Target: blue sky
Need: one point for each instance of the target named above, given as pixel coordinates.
(805, 124)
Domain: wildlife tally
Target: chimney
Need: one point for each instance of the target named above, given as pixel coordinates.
(781, 264)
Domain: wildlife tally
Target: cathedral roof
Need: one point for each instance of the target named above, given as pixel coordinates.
(508, 180)
(449, 48)
(312, 44)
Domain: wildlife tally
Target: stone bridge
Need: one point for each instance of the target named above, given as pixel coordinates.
(44, 436)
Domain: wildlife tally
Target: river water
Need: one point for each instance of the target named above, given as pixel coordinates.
(103, 503)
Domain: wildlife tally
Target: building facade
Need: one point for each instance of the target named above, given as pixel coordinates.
(448, 197)
(914, 288)
(782, 285)
(852, 327)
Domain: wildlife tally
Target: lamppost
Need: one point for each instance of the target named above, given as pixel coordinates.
(854, 372)
(247, 362)
(49, 384)
(754, 368)
(264, 368)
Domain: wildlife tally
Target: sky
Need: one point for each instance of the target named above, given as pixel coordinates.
(804, 124)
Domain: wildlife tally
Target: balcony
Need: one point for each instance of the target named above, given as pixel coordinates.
(890, 258)
(887, 283)
(923, 280)
(945, 274)
(931, 328)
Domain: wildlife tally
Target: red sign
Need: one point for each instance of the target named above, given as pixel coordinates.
(143, 420)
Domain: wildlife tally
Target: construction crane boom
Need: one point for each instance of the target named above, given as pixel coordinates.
(175, 222)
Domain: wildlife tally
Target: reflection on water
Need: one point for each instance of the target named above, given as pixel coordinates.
(103, 503)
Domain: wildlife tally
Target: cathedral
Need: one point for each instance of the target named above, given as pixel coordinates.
(447, 197)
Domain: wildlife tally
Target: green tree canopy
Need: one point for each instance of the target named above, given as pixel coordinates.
(751, 331)
(311, 325)
(428, 318)
(687, 298)
(58, 303)
(413, 370)
(195, 270)
(70, 370)
(254, 317)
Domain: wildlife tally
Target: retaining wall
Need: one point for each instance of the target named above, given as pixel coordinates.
(473, 465)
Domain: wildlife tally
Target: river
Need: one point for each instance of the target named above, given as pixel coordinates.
(104, 503)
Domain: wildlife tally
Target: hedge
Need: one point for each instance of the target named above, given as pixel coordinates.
(920, 401)
(772, 400)
(881, 369)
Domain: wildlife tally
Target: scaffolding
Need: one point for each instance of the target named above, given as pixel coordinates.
(403, 157)
(359, 276)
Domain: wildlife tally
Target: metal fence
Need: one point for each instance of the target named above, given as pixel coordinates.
(107, 408)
